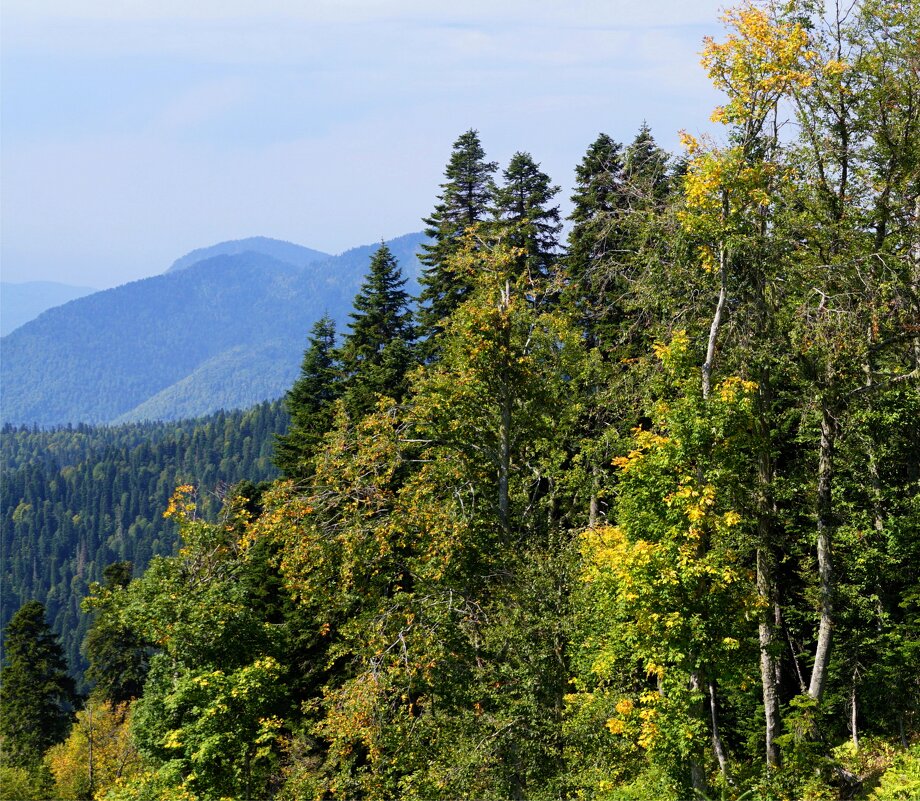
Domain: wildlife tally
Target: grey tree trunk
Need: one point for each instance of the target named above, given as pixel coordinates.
(504, 467)
(769, 668)
(716, 324)
(825, 562)
(504, 456)
(854, 731)
(717, 745)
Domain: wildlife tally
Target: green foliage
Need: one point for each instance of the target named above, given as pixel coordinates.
(77, 499)
(214, 727)
(118, 659)
(465, 201)
(902, 780)
(37, 701)
(19, 784)
(309, 402)
(669, 594)
(377, 352)
(209, 719)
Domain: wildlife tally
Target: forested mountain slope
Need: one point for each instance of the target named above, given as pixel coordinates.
(633, 516)
(76, 499)
(225, 332)
(21, 302)
(287, 252)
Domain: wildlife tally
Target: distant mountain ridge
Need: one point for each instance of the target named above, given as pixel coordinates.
(22, 302)
(224, 332)
(278, 249)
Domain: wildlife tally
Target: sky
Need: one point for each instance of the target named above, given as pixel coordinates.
(134, 131)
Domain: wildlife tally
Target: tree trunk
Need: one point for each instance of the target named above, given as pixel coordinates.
(854, 731)
(717, 745)
(769, 622)
(716, 323)
(768, 660)
(825, 564)
(504, 467)
(504, 456)
(697, 774)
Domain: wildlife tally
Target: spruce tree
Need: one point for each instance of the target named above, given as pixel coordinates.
(37, 697)
(599, 195)
(118, 659)
(616, 196)
(378, 352)
(467, 196)
(524, 218)
(309, 402)
(647, 167)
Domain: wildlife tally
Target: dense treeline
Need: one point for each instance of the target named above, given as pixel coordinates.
(76, 499)
(632, 518)
(222, 333)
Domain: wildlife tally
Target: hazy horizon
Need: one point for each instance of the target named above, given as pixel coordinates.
(133, 135)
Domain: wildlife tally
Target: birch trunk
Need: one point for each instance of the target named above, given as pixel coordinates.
(717, 745)
(825, 563)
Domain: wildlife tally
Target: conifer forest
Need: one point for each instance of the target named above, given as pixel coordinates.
(627, 513)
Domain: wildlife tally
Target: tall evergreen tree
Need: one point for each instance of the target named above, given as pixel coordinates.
(37, 697)
(118, 658)
(647, 167)
(309, 402)
(467, 196)
(525, 219)
(616, 196)
(377, 352)
(593, 242)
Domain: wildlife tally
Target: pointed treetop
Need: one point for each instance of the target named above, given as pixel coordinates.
(523, 214)
(465, 201)
(377, 352)
(309, 402)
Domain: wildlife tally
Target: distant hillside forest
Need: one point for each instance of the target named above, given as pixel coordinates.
(79, 498)
(224, 328)
(628, 516)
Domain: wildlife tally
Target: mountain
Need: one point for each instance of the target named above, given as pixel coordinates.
(73, 500)
(20, 303)
(288, 252)
(224, 332)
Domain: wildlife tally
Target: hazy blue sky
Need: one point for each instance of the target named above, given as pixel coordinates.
(134, 131)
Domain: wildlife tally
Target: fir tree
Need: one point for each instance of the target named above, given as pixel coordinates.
(377, 352)
(617, 197)
(599, 195)
(647, 167)
(309, 402)
(118, 659)
(466, 198)
(525, 219)
(37, 700)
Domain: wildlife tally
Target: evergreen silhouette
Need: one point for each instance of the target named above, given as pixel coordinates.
(377, 352)
(37, 697)
(465, 201)
(309, 402)
(525, 219)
